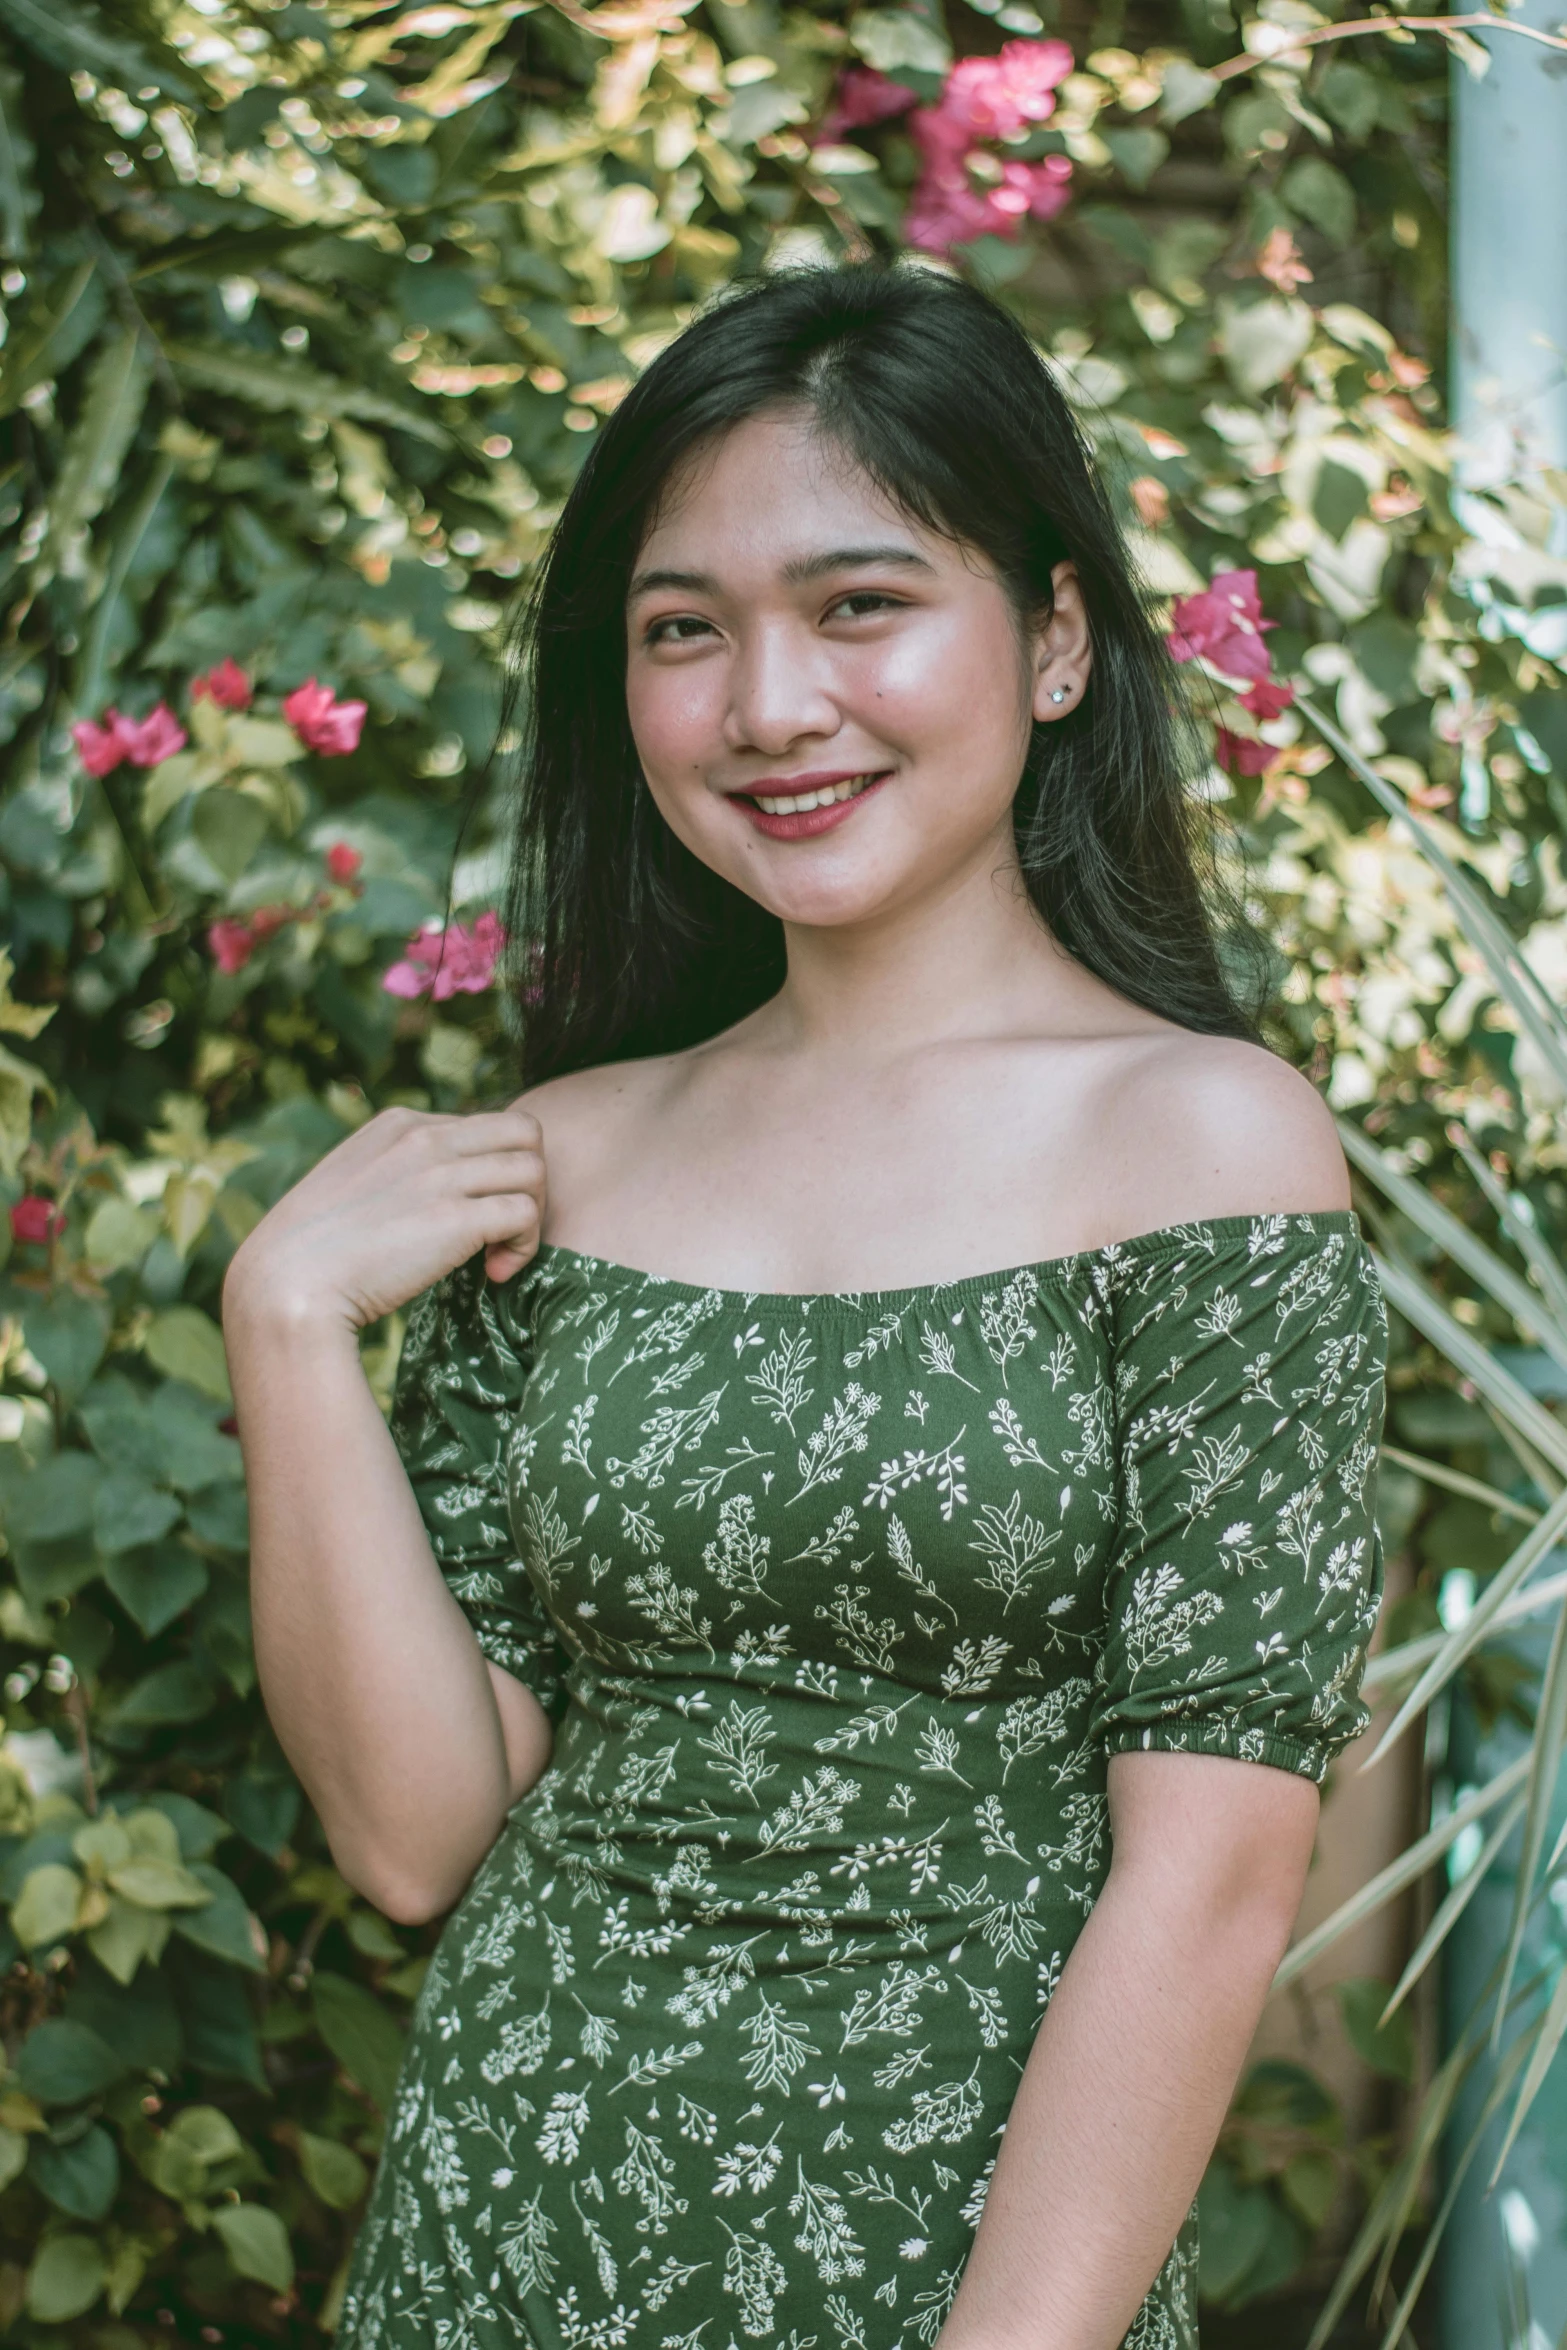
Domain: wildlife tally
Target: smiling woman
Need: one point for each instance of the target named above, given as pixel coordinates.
(873, 1557)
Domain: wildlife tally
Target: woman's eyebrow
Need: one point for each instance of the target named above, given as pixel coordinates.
(796, 573)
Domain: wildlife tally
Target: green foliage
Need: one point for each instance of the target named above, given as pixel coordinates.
(310, 316)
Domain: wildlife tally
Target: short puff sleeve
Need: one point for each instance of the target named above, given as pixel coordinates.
(454, 1409)
(1247, 1571)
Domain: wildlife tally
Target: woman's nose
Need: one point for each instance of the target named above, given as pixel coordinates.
(778, 691)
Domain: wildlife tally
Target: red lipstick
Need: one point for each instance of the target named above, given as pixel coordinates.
(805, 823)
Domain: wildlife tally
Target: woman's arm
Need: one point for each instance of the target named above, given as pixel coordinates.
(410, 1745)
(1133, 2068)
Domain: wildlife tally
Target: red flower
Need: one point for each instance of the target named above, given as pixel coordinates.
(1242, 753)
(232, 944)
(863, 96)
(1267, 698)
(101, 747)
(987, 98)
(155, 738)
(448, 962)
(997, 97)
(35, 1218)
(343, 862)
(323, 723)
(144, 741)
(1223, 625)
(227, 685)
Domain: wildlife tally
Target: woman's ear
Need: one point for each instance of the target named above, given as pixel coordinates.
(1063, 653)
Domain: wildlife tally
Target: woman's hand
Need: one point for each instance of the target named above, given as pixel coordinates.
(390, 1211)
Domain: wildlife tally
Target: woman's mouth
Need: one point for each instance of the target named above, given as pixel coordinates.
(809, 805)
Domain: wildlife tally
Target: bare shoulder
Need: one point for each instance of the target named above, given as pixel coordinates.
(591, 1117)
(1207, 1126)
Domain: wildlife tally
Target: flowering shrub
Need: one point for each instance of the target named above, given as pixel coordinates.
(291, 394)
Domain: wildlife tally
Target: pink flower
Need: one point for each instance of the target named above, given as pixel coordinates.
(156, 738)
(35, 1218)
(947, 208)
(1242, 753)
(227, 685)
(1267, 698)
(343, 862)
(232, 944)
(1223, 625)
(144, 741)
(323, 723)
(999, 97)
(101, 747)
(863, 96)
(448, 962)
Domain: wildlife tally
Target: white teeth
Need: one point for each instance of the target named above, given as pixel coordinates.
(797, 803)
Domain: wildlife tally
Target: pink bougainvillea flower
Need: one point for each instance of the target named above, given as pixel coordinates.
(343, 862)
(453, 961)
(1243, 754)
(227, 685)
(999, 97)
(1267, 698)
(101, 748)
(151, 740)
(1224, 625)
(322, 722)
(863, 96)
(35, 1218)
(232, 944)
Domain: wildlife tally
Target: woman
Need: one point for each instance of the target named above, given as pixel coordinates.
(861, 1702)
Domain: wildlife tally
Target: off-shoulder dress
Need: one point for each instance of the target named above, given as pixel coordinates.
(840, 1604)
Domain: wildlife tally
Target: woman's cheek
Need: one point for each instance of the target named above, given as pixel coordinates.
(674, 724)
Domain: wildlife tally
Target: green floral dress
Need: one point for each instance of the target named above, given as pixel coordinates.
(841, 1604)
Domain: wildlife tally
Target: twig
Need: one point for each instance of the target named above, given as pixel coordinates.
(75, 1704)
(1485, 21)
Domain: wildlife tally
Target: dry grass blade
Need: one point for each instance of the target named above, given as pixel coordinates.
(1528, 1309)
(1391, 1664)
(1455, 1902)
(1516, 1213)
(1456, 1645)
(1515, 981)
(1455, 1481)
(1420, 1305)
(1410, 1865)
(1545, 1754)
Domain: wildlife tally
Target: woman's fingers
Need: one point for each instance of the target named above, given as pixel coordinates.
(493, 1171)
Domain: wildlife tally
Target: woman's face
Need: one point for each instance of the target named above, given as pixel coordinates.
(831, 705)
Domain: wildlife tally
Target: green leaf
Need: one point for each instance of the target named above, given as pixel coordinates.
(196, 1452)
(68, 1335)
(139, 2019)
(1261, 341)
(1322, 196)
(13, 2155)
(1387, 2047)
(226, 1927)
(256, 2241)
(63, 36)
(128, 1512)
(196, 1829)
(1138, 153)
(221, 1516)
(61, 2063)
(263, 742)
(159, 1884)
(128, 1938)
(56, 1500)
(1186, 90)
(116, 394)
(217, 2016)
(67, 2276)
(187, 1344)
(276, 384)
(333, 2172)
(366, 2041)
(81, 2178)
(1310, 2183)
(184, 1691)
(230, 826)
(154, 1586)
(42, 348)
(46, 1909)
(888, 38)
(264, 1811)
(199, 2140)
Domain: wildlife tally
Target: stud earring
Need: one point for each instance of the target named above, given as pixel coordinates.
(1058, 693)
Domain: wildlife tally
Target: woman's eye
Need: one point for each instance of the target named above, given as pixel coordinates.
(862, 602)
(681, 628)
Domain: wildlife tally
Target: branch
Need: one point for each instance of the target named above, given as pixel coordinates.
(1485, 21)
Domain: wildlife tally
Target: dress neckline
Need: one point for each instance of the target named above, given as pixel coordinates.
(1211, 1232)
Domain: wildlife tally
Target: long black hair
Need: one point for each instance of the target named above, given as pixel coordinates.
(632, 944)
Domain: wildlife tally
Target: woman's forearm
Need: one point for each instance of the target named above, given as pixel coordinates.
(1128, 2082)
(410, 1746)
